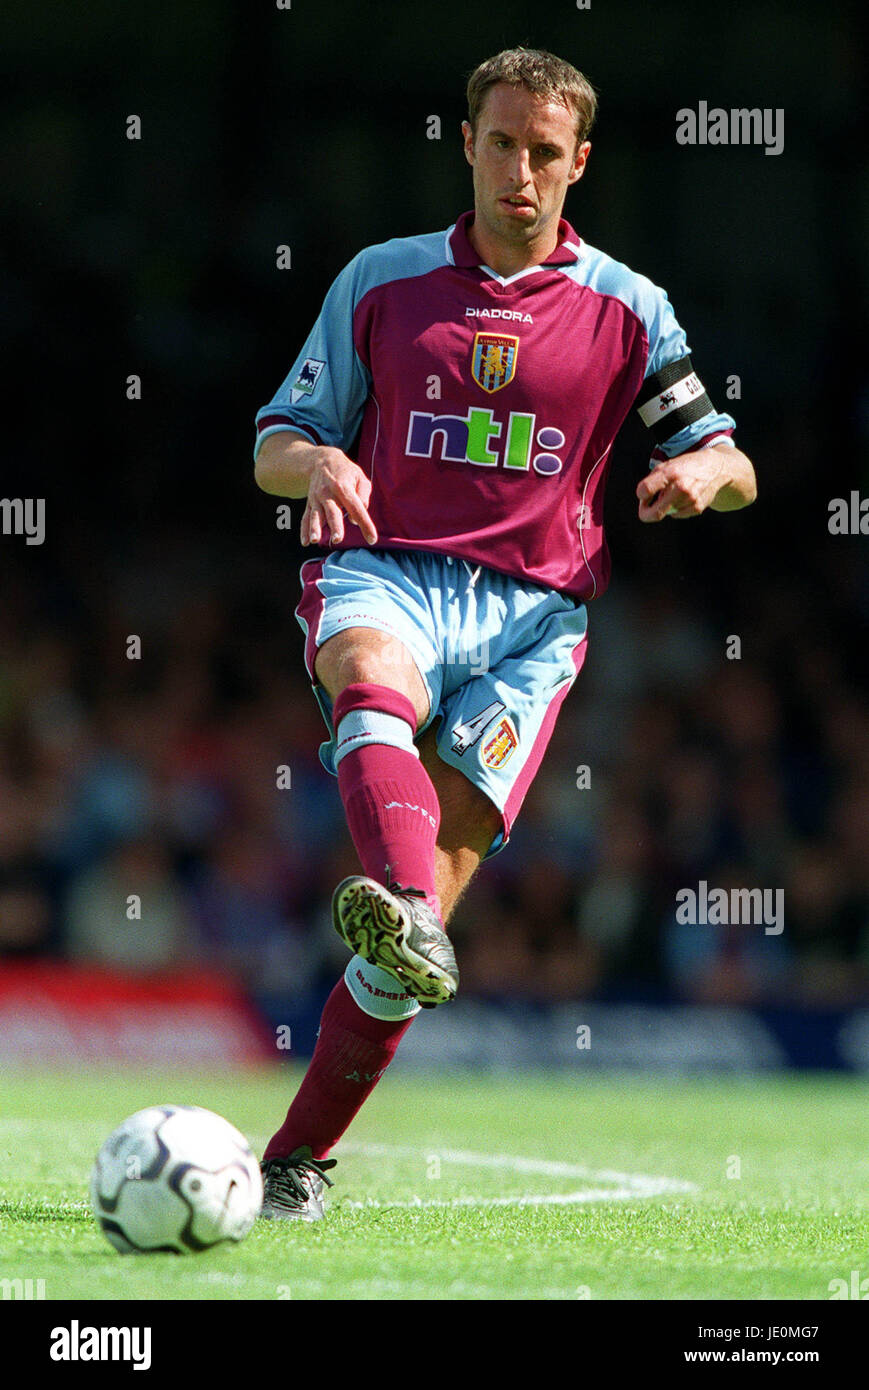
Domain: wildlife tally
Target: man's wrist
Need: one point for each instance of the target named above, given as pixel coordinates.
(739, 489)
(284, 467)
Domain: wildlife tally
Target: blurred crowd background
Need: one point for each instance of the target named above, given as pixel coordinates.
(157, 776)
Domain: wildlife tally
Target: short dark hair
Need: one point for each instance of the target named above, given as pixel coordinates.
(543, 74)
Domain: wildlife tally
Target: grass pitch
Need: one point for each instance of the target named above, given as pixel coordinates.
(474, 1187)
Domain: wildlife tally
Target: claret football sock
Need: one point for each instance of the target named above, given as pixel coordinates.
(389, 799)
(353, 1051)
(393, 816)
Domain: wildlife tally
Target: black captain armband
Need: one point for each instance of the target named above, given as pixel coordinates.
(672, 399)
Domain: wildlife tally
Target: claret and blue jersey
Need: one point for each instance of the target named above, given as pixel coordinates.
(484, 408)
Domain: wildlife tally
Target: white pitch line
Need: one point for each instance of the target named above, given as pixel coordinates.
(550, 1199)
(626, 1185)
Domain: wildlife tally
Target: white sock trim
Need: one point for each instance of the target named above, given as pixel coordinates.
(361, 726)
(377, 992)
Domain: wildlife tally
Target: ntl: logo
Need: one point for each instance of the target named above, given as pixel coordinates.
(467, 439)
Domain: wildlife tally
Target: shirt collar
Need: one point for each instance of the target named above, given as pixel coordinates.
(566, 252)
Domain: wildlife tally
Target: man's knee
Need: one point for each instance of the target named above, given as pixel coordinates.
(364, 655)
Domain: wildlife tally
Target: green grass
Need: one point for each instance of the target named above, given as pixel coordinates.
(796, 1217)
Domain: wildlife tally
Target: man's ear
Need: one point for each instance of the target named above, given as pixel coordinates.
(468, 134)
(580, 161)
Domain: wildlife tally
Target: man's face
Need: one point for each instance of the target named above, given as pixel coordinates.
(524, 162)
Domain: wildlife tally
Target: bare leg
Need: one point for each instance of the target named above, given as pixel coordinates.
(469, 824)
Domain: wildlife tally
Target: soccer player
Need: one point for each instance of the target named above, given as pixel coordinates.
(450, 420)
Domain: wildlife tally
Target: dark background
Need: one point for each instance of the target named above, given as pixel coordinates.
(307, 127)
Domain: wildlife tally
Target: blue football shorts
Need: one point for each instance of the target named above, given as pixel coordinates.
(497, 655)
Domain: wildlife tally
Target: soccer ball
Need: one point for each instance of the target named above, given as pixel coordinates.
(175, 1178)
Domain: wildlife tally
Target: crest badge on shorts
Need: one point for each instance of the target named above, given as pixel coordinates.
(493, 360)
(496, 751)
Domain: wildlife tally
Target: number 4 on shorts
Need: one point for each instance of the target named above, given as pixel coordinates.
(467, 734)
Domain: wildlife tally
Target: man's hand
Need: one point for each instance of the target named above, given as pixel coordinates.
(337, 487)
(719, 477)
(290, 465)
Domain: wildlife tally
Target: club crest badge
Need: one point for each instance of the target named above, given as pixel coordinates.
(497, 750)
(493, 360)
